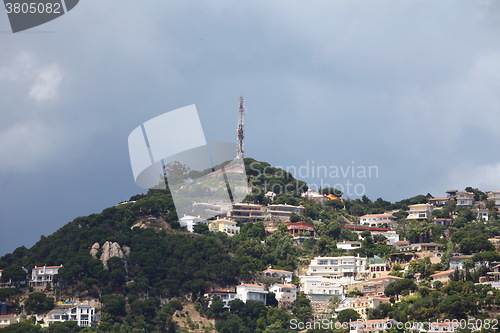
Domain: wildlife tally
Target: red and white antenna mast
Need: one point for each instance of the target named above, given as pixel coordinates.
(241, 118)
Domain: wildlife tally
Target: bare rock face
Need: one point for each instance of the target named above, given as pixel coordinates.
(126, 251)
(110, 250)
(94, 250)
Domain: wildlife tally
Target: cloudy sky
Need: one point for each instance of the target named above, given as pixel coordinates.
(409, 87)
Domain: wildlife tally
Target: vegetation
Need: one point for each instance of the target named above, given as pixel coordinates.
(168, 266)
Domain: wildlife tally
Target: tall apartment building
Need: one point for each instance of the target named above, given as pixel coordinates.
(348, 266)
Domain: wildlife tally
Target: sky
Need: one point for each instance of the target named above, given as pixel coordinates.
(407, 89)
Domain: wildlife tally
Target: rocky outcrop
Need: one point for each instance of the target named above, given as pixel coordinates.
(95, 250)
(110, 250)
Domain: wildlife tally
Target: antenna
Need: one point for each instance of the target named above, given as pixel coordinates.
(241, 118)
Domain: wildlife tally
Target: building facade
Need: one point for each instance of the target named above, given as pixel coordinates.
(419, 212)
(362, 305)
(41, 276)
(465, 199)
(246, 212)
(348, 266)
(251, 292)
(284, 292)
(189, 222)
(377, 220)
(225, 296)
(84, 315)
(226, 226)
(286, 276)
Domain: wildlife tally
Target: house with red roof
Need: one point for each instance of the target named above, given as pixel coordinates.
(41, 276)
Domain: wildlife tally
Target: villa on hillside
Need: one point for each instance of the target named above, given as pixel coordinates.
(377, 220)
(348, 266)
(321, 288)
(189, 222)
(246, 212)
(284, 292)
(226, 226)
(286, 276)
(251, 292)
(362, 305)
(436, 202)
(419, 212)
(84, 315)
(41, 276)
(283, 212)
(465, 199)
(443, 277)
(352, 245)
(495, 197)
(374, 287)
(457, 262)
(225, 297)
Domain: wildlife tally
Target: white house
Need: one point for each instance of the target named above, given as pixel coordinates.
(279, 273)
(41, 276)
(402, 246)
(377, 220)
(391, 235)
(492, 278)
(283, 212)
(419, 212)
(251, 292)
(362, 305)
(374, 287)
(349, 245)
(225, 296)
(84, 315)
(443, 276)
(321, 285)
(483, 214)
(315, 196)
(457, 262)
(6, 320)
(495, 197)
(348, 266)
(465, 199)
(189, 222)
(284, 292)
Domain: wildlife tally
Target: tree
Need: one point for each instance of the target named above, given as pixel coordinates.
(348, 315)
(200, 228)
(22, 327)
(400, 286)
(114, 305)
(14, 273)
(334, 204)
(473, 244)
(331, 190)
(490, 256)
(382, 311)
(38, 303)
(216, 308)
(64, 327)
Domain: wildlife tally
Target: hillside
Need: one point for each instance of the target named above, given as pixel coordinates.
(156, 263)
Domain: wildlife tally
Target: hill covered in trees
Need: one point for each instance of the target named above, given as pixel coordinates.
(166, 264)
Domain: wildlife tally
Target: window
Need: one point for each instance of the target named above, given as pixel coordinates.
(323, 262)
(334, 262)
